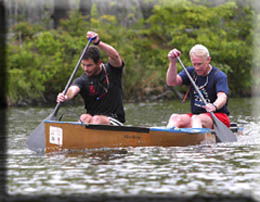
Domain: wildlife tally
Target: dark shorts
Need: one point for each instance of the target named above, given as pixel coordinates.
(221, 116)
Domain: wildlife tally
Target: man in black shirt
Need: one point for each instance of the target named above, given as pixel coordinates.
(100, 85)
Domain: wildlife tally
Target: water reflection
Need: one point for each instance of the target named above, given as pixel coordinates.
(98, 155)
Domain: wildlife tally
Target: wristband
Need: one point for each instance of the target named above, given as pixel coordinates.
(97, 43)
(215, 106)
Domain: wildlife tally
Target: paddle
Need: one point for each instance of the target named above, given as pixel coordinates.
(36, 140)
(223, 133)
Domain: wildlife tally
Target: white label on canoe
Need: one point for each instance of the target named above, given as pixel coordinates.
(56, 135)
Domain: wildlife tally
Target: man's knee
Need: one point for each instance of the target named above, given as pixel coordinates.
(176, 120)
(201, 120)
(174, 117)
(86, 118)
(97, 119)
(195, 117)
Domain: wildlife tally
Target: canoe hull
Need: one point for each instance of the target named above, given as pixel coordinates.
(75, 136)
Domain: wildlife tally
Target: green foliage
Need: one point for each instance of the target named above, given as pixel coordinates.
(225, 30)
(25, 31)
(40, 61)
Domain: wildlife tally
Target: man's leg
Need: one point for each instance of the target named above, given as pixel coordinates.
(179, 121)
(202, 121)
(100, 119)
(85, 118)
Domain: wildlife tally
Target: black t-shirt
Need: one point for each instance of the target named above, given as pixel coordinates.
(102, 93)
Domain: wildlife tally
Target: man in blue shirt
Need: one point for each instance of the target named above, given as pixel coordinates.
(212, 83)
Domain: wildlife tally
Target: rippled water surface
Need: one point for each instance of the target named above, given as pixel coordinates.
(218, 169)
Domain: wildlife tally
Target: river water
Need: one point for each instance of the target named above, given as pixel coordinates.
(213, 170)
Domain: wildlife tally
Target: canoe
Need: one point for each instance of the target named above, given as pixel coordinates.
(62, 135)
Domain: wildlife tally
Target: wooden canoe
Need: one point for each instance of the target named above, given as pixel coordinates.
(62, 135)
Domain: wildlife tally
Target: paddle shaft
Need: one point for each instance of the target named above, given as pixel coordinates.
(54, 113)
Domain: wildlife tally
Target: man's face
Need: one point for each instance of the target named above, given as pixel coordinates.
(200, 64)
(90, 67)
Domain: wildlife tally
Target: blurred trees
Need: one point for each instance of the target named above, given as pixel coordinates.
(41, 59)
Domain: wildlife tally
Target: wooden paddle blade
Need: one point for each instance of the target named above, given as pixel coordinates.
(223, 133)
(36, 140)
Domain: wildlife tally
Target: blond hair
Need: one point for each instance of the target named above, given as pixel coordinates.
(199, 50)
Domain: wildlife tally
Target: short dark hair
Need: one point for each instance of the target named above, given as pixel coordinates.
(93, 53)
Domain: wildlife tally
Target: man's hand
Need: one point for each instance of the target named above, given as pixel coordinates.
(93, 35)
(61, 97)
(173, 54)
(210, 107)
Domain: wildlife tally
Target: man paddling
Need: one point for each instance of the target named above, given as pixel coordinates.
(212, 84)
(100, 85)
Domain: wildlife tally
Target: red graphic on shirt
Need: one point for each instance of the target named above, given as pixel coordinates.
(92, 90)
